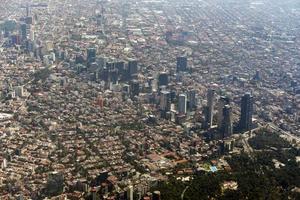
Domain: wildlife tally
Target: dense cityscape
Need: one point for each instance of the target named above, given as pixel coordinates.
(149, 99)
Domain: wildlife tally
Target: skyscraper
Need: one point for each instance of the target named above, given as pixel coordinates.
(91, 55)
(28, 12)
(150, 81)
(29, 20)
(132, 67)
(246, 112)
(192, 99)
(221, 103)
(163, 79)
(24, 31)
(165, 101)
(227, 121)
(182, 104)
(120, 66)
(210, 105)
(134, 88)
(15, 39)
(206, 117)
(181, 64)
(130, 192)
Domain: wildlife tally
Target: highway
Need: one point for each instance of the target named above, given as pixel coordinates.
(276, 128)
(182, 194)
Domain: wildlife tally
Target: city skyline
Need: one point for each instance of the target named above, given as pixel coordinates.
(149, 99)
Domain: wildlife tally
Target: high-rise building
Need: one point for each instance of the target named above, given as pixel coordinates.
(130, 192)
(163, 79)
(28, 11)
(15, 39)
(120, 67)
(173, 95)
(182, 104)
(156, 195)
(221, 103)
(110, 66)
(24, 29)
(91, 55)
(210, 105)
(79, 59)
(29, 20)
(132, 67)
(125, 91)
(19, 91)
(181, 64)
(102, 62)
(94, 193)
(134, 88)
(165, 101)
(227, 121)
(257, 76)
(192, 99)
(55, 183)
(206, 117)
(95, 76)
(151, 83)
(31, 33)
(114, 76)
(246, 112)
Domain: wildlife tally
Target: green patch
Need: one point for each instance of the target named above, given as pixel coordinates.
(267, 140)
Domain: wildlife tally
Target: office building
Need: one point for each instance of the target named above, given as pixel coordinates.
(132, 67)
(173, 96)
(114, 76)
(79, 59)
(120, 67)
(206, 117)
(29, 20)
(19, 91)
(181, 64)
(165, 101)
(15, 39)
(182, 100)
(227, 121)
(210, 108)
(130, 192)
(55, 182)
(101, 61)
(134, 88)
(192, 101)
(110, 66)
(91, 55)
(24, 29)
(221, 103)
(31, 34)
(246, 112)
(150, 83)
(163, 79)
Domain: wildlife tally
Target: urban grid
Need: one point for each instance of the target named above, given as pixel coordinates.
(117, 99)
